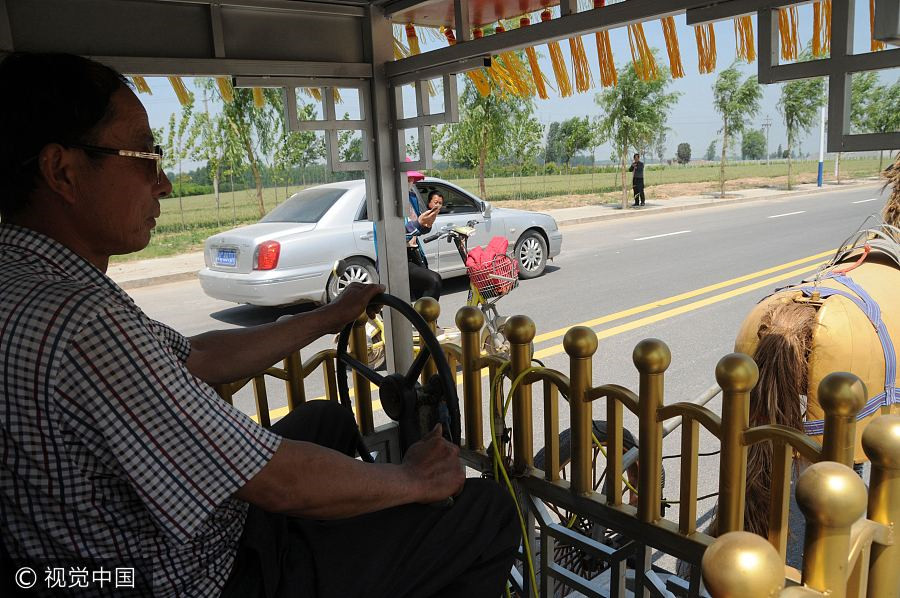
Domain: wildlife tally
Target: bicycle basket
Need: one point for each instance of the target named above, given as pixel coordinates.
(495, 278)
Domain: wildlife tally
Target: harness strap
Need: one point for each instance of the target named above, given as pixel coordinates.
(869, 306)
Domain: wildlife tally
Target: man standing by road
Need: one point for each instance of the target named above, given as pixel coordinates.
(637, 180)
(117, 453)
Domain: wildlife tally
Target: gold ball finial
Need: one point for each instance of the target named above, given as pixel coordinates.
(519, 330)
(469, 319)
(842, 393)
(580, 342)
(428, 308)
(881, 441)
(737, 372)
(742, 565)
(361, 320)
(651, 356)
(831, 494)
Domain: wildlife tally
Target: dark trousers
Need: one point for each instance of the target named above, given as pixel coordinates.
(409, 551)
(638, 187)
(423, 282)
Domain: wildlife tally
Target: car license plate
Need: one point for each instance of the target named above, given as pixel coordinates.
(226, 257)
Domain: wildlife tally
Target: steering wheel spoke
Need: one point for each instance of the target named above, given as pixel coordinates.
(367, 372)
(415, 370)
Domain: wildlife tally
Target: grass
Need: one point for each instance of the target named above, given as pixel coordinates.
(179, 231)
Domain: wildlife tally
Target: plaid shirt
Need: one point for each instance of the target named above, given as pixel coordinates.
(111, 449)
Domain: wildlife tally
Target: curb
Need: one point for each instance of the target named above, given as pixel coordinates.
(619, 214)
(706, 204)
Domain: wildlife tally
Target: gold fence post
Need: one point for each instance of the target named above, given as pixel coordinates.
(832, 498)
(580, 343)
(470, 320)
(361, 390)
(737, 374)
(841, 395)
(881, 442)
(651, 357)
(742, 565)
(519, 332)
(430, 310)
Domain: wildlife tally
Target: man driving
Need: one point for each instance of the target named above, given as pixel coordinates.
(116, 450)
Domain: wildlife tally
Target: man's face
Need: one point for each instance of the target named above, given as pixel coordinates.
(436, 201)
(118, 196)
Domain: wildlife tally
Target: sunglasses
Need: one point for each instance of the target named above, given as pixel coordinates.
(156, 154)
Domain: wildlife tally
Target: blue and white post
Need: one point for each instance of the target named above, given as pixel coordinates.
(821, 179)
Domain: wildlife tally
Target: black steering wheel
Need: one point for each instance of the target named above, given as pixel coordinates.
(416, 408)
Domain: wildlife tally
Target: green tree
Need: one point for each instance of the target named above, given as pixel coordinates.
(799, 104)
(635, 113)
(210, 140)
(683, 153)
(554, 148)
(576, 135)
(255, 130)
(481, 135)
(886, 114)
(659, 144)
(299, 148)
(178, 147)
(710, 154)
(874, 108)
(753, 145)
(524, 140)
(735, 102)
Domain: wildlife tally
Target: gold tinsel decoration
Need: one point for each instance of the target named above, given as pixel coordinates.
(181, 92)
(516, 70)
(608, 75)
(821, 41)
(536, 75)
(743, 38)
(225, 88)
(876, 45)
(706, 48)
(787, 28)
(641, 56)
(559, 63)
(672, 47)
(259, 100)
(140, 84)
(413, 39)
(583, 78)
(502, 80)
(477, 77)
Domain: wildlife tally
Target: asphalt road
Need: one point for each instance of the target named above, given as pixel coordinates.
(628, 279)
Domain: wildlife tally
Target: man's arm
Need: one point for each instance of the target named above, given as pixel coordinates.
(631, 168)
(307, 480)
(223, 356)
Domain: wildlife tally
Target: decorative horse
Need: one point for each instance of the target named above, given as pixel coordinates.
(845, 318)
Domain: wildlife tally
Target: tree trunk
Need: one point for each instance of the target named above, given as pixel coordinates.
(180, 194)
(722, 164)
(837, 168)
(789, 145)
(880, 160)
(215, 183)
(624, 186)
(482, 157)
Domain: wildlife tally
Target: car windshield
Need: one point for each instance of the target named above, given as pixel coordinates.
(306, 206)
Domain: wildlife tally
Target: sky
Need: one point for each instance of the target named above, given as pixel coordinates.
(692, 120)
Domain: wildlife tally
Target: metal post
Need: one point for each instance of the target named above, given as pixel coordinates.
(821, 177)
(430, 310)
(832, 498)
(580, 344)
(841, 395)
(651, 357)
(767, 124)
(737, 374)
(881, 441)
(470, 320)
(361, 390)
(520, 332)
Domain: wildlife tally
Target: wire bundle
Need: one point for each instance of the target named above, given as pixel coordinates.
(559, 63)
(743, 38)
(706, 48)
(641, 56)
(787, 28)
(536, 75)
(672, 47)
(608, 75)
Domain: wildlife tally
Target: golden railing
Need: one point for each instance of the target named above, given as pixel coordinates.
(851, 544)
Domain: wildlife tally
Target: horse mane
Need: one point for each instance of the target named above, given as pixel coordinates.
(891, 212)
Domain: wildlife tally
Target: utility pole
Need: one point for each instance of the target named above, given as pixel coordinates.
(767, 124)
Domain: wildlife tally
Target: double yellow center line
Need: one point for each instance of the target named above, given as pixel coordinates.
(787, 272)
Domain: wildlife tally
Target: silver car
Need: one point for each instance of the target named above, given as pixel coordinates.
(288, 256)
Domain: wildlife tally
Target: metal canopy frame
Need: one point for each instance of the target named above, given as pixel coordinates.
(348, 43)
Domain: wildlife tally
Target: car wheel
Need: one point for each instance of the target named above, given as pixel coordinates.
(531, 254)
(355, 270)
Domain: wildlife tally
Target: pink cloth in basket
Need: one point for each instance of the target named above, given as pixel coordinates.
(479, 256)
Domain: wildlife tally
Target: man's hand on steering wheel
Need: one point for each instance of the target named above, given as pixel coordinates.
(434, 468)
(353, 300)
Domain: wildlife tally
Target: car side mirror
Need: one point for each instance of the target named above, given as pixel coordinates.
(486, 209)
